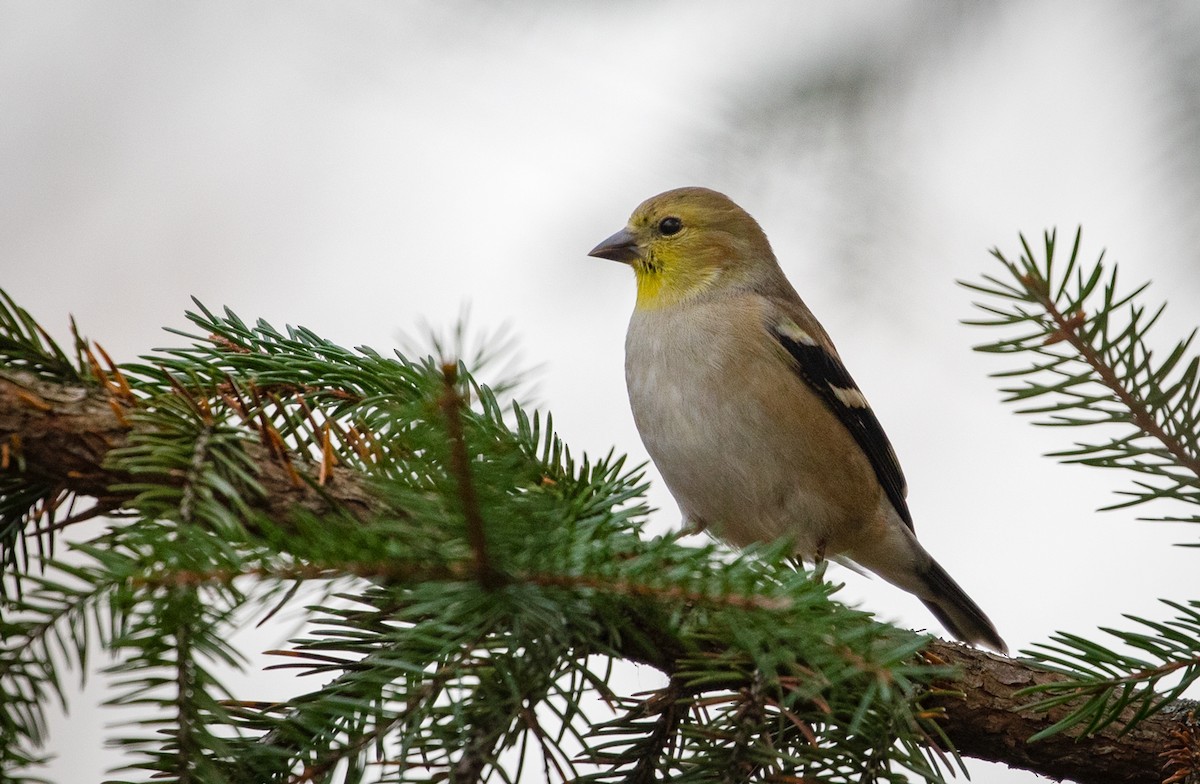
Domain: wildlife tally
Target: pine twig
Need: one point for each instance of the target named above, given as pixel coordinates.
(460, 467)
(1070, 328)
(1091, 364)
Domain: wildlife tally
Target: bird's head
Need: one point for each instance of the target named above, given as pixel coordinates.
(688, 241)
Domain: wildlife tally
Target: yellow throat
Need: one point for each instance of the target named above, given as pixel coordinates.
(661, 285)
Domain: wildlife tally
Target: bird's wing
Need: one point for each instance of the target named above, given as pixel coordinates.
(816, 361)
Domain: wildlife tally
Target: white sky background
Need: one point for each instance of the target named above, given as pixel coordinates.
(359, 168)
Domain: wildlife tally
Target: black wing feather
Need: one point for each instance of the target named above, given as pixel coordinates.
(824, 373)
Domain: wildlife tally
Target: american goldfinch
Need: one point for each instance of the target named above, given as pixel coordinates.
(747, 410)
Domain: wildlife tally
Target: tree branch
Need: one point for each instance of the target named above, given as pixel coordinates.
(987, 720)
(60, 435)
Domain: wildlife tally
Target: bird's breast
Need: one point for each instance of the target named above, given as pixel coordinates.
(729, 427)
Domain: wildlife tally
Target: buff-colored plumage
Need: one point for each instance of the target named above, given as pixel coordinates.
(746, 409)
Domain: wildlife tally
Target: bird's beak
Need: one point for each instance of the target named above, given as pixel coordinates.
(621, 246)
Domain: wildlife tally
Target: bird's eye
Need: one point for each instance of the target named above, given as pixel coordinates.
(669, 226)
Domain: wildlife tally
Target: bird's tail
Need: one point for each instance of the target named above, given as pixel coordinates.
(956, 611)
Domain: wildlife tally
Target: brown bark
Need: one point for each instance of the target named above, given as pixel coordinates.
(987, 720)
(60, 435)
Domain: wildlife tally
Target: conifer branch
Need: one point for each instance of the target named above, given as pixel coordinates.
(1092, 365)
(1072, 329)
(61, 435)
(973, 710)
(280, 457)
(460, 465)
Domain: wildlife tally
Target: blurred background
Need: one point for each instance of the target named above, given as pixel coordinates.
(363, 168)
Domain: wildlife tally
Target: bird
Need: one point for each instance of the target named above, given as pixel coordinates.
(748, 412)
